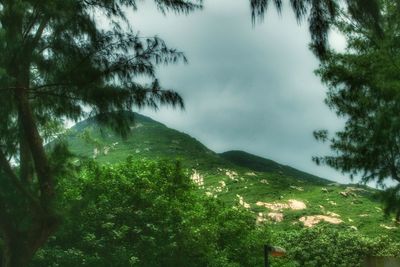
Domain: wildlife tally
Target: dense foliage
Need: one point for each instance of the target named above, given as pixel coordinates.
(364, 89)
(325, 246)
(142, 213)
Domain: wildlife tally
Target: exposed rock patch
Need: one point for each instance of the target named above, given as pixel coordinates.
(276, 216)
(197, 178)
(298, 188)
(310, 221)
(332, 214)
(388, 227)
(296, 204)
(292, 204)
(242, 202)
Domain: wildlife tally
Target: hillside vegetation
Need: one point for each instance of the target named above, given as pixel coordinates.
(280, 196)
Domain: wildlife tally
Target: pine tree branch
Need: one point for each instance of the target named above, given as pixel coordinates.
(5, 166)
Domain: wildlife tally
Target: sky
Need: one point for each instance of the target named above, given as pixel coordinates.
(245, 88)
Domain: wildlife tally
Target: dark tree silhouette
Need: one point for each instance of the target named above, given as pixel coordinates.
(364, 88)
(319, 15)
(58, 59)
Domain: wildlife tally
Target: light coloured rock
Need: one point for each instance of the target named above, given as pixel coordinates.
(364, 215)
(350, 191)
(332, 214)
(325, 190)
(388, 227)
(333, 203)
(354, 228)
(250, 174)
(209, 194)
(96, 152)
(231, 174)
(292, 204)
(260, 218)
(197, 178)
(350, 220)
(242, 202)
(310, 221)
(296, 204)
(264, 181)
(354, 189)
(298, 188)
(135, 126)
(276, 216)
(273, 206)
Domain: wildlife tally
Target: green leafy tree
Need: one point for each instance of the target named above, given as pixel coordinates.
(364, 89)
(58, 59)
(145, 213)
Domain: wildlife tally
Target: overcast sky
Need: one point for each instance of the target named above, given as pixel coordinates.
(244, 88)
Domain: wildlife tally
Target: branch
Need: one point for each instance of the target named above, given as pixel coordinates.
(5, 166)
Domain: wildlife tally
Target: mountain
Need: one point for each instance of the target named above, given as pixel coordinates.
(148, 139)
(279, 195)
(256, 163)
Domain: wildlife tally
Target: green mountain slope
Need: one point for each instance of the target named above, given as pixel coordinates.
(256, 163)
(148, 139)
(278, 195)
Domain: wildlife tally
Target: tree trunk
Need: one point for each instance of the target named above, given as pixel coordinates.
(16, 254)
(26, 171)
(20, 247)
(34, 140)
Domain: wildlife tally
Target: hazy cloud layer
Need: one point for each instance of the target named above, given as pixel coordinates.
(244, 88)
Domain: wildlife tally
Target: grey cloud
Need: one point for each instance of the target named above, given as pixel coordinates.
(244, 88)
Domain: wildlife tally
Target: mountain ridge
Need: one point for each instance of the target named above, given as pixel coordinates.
(142, 120)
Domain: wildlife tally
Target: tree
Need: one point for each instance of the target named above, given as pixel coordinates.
(145, 213)
(57, 61)
(320, 14)
(364, 89)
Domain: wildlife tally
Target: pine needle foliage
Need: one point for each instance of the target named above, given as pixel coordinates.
(320, 15)
(364, 89)
(66, 59)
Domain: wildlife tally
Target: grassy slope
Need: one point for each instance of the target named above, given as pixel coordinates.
(150, 139)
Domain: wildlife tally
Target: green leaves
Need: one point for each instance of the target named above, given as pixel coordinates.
(148, 214)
